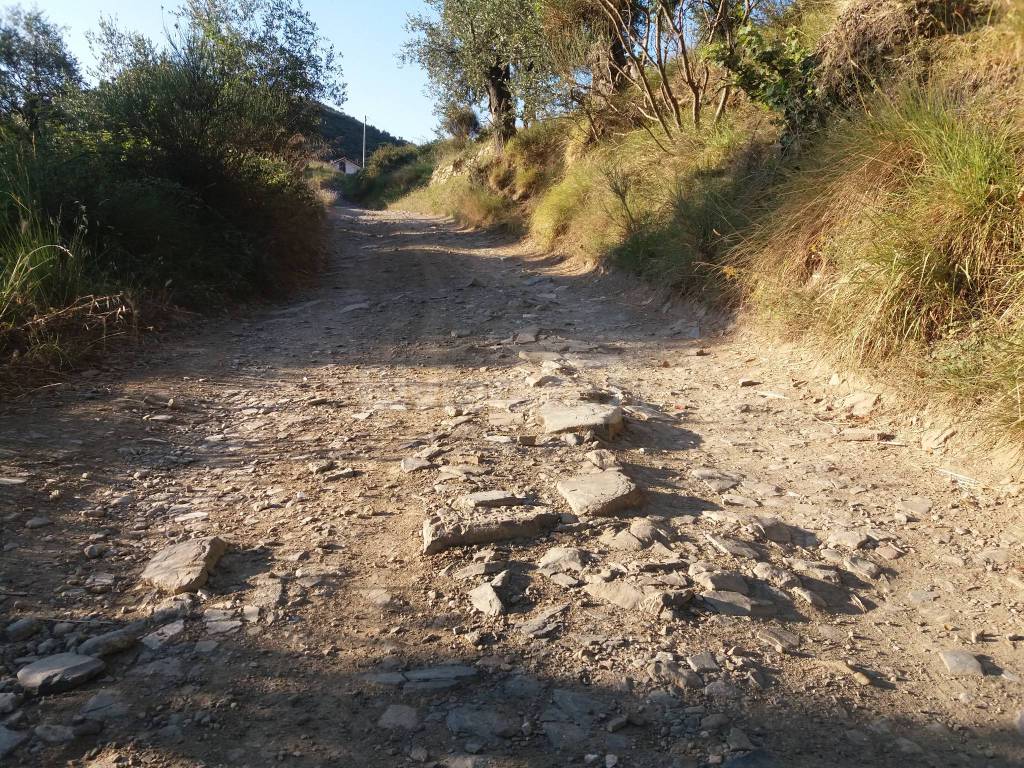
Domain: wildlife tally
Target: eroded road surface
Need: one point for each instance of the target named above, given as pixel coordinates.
(460, 506)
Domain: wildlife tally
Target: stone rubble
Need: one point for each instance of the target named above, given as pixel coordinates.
(447, 548)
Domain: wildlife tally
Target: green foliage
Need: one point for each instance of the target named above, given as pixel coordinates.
(459, 122)
(666, 218)
(180, 174)
(271, 43)
(477, 51)
(531, 161)
(392, 172)
(36, 68)
(773, 68)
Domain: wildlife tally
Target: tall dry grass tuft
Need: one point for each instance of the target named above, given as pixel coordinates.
(40, 266)
(466, 201)
(50, 314)
(901, 237)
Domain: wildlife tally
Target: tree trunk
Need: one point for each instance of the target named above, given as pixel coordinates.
(723, 102)
(499, 98)
(618, 63)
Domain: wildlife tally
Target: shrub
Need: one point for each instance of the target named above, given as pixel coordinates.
(181, 175)
(391, 172)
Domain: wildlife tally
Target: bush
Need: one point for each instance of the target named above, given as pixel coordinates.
(391, 172)
(181, 175)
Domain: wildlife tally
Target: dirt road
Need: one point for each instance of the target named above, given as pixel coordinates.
(755, 567)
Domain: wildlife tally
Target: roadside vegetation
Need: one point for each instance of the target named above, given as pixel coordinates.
(177, 176)
(848, 174)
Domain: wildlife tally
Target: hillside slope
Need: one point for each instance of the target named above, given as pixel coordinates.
(344, 134)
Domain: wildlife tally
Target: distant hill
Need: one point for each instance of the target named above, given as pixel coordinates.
(344, 134)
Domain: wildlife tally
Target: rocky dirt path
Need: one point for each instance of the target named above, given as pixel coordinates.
(459, 507)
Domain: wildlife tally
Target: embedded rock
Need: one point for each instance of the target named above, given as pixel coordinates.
(562, 559)
(620, 593)
(449, 528)
(184, 567)
(486, 600)
(961, 663)
(10, 740)
(605, 421)
(722, 581)
(735, 604)
(399, 717)
(113, 642)
(600, 494)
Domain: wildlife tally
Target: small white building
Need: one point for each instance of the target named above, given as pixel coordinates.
(346, 166)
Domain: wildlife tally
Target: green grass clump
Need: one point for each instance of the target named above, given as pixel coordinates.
(901, 236)
(40, 269)
(662, 216)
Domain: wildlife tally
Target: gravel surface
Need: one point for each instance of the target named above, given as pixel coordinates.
(463, 505)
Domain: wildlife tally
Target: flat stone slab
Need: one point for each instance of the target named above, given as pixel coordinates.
(451, 528)
(735, 604)
(717, 479)
(703, 662)
(732, 547)
(184, 567)
(399, 717)
(562, 559)
(106, 705)
(620, 593)
(722, 581)
(163, 635)
(605, 421)
(781, 640)
(442, 672)
(575, 707)
(961, 663)
(438, 678)
(415, 464)
(484, 724)
(61, 672)
(544, 623)
(600, 494)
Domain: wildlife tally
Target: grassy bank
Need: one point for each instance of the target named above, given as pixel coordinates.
(888, 233)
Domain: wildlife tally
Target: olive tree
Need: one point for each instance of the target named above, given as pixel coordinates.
(588, 56)
(36, 68)
(483, 52)
(671, 47)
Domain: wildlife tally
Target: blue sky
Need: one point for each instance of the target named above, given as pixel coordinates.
(368, 35)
